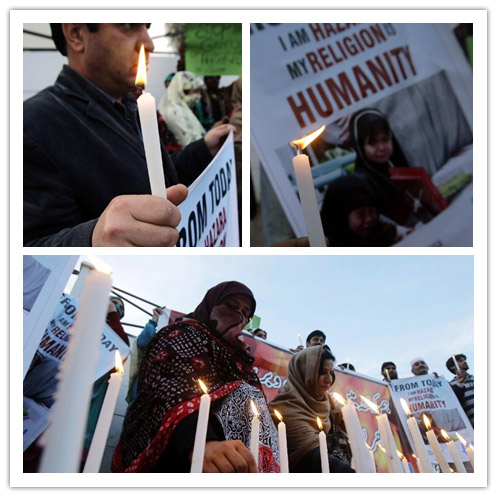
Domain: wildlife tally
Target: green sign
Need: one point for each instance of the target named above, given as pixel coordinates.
(254, 323)
(214, 49)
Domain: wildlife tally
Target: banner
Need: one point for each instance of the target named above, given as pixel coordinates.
(271, 364)
(209, 215)
(435, 398)
(40, 383)
(213, 49)
(304, 76)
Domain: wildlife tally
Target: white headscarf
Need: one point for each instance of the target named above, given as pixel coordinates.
(179, 118)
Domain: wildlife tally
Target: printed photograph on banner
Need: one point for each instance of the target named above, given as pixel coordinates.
(391, 160)
(118, 129)
(257, 357)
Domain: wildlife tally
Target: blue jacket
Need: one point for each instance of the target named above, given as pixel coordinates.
(82, 149)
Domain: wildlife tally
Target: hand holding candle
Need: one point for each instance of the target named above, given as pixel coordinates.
(150, 132)
(307, 192)
(94, 459)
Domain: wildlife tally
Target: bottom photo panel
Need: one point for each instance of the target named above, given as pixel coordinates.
(248, 364)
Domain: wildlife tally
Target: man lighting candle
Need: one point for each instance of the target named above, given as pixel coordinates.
(85, 174)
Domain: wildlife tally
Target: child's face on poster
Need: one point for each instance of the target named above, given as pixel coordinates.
(378, 148)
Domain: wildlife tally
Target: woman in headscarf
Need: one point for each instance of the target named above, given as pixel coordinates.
(378, 151)
(182, 95)
(302, 399)
(159, 428)
(350, 216)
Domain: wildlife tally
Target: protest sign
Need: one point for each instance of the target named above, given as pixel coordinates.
(434, 397)
(40, 383)
(213, 49)
(209, 215)
(307, 75)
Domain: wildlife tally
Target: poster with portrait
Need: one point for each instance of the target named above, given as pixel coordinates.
(415, 76)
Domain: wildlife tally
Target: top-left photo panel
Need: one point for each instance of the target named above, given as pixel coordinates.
(132, 134)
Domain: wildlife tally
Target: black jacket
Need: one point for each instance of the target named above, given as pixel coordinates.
(82, 149)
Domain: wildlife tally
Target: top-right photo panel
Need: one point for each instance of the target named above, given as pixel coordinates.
(362, 134)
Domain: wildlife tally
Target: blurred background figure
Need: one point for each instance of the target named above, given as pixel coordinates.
(260, 333)
(163, 100)
(182, 95)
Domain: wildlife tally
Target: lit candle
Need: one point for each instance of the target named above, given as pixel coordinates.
(150, 132)
(456, 364)
(454, 453)
(423, 460)
(387, 374)
(469, 450)
(415, 458)
(201, 433)
(435, 446)
(307, 192)
(282, 443)
(371, 455)
(300, 339)
(394, 463)
(254, 434)
(405, 463)
(64, 439)
(94, 459)
(360, 454)
(323, 448)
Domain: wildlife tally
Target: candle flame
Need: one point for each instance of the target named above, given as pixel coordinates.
(301, 143)
(372, 405)
(414, 456)
(461, 439)
(405, 406)
(320, 425)
(119, 362)
(141, 73)
(426, 421)
(381, 447)
(202, 386)
(445, 435)
(278, 415)
(338, 398)
(254, 409)
(99, 265)
(400, 454)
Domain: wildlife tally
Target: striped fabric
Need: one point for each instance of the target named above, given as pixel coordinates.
(465, 393)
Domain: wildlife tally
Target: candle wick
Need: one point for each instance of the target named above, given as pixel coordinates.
(142, 88)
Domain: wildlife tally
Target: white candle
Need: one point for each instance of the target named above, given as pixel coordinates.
(417, 463)
(471, 454)
(386, 436)
(94, 459)
(371, 456)
(405, 464)
(423, 459)
(201, 433)
(84, 271)
(456, 457)
(456, 364)
(282, 444)
(150, 132)
(64, 441)
(254, 434)
(435, 446)
(360, 455)
(323, 449)
(308, 201)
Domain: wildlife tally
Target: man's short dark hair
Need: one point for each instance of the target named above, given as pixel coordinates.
(315, 333)
(59, 38)
(450, 361)
(386, 364)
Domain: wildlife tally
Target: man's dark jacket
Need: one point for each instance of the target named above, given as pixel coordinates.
(82, 149)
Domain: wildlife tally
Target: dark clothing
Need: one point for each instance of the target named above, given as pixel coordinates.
(311, 463)
(82, 149)
(465, 392)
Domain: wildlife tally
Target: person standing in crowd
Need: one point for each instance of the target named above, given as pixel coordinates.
(85, 175)
(389, 371)
(316, 337)
(419, 367)
(463, 385)
(302, 399)
(159, 428)
(182, 96)
(163, 101)
(137, 349)
(260, 333)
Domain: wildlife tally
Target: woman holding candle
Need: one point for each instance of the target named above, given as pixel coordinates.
(302, 400)
(159, 429)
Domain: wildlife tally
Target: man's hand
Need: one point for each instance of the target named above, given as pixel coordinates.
(297, 349)
(461, 377)
(140, 220)
(156, 313)
(228, 457)
(214, 138)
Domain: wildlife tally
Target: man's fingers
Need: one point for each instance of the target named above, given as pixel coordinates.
(177, 194)
(150, 209)
(150, 235)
